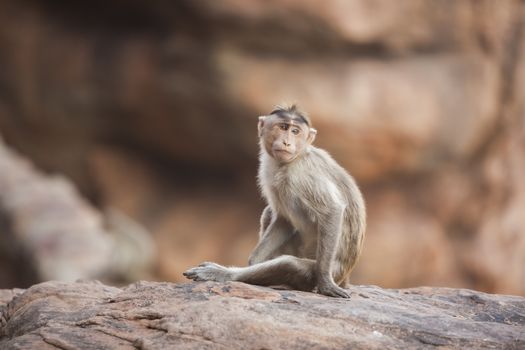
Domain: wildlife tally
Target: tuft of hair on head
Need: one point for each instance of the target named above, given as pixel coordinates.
(291, 111)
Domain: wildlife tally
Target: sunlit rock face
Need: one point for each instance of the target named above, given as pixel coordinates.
(235, 315)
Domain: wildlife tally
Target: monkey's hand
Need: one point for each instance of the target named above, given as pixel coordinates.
(208, 271)
(330, 289)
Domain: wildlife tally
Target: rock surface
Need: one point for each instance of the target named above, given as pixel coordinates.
(210, 315)
(48, 231)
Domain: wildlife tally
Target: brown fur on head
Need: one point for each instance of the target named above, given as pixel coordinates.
(292, 111)
(285, 133)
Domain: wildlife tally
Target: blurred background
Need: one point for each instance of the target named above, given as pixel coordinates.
(129, 133)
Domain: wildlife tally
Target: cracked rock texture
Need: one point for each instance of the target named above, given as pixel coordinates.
(210, 315)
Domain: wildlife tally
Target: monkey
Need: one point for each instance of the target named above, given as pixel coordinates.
(313, 227)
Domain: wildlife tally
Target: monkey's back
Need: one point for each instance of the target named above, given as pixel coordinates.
(354, 222)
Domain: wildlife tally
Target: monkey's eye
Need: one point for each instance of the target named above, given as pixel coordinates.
(295, 131)
(284, 126)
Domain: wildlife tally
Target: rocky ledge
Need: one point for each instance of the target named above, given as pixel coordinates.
(150, 315)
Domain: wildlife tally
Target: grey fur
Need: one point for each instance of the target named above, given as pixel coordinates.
(312, 229)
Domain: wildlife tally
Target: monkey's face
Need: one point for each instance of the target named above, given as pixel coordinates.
(284, 139)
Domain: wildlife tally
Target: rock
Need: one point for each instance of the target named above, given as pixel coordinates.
(48, 231)
(165, 84)
(392, 233)
(7, 294)
(148, 315)
(190, 223)
(377, 25)
(365, 110)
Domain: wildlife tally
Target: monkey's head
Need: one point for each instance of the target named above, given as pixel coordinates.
(285, 133)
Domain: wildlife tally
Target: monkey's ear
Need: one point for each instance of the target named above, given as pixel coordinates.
(311, 135)
(260, 124)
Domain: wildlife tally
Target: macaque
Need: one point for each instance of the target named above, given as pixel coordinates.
(313, 227)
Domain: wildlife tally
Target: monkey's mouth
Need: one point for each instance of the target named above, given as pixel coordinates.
(283, 155)
(281, 151)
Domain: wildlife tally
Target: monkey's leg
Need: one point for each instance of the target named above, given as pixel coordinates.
(346, 283)
(330, 230)
(279, 238)
(298, 273)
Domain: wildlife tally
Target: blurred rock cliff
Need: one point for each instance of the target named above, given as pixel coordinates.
(150, 107)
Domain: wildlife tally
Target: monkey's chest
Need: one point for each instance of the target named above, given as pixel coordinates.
(292, 208)
(287, 197)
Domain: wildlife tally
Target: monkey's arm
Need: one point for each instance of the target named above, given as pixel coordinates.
(266, 220)
(273, 242)
(330, 230)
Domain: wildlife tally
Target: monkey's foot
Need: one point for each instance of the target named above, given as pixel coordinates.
(333, 290)
(208, 271)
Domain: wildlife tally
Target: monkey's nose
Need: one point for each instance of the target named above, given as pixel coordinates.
(286, 143)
